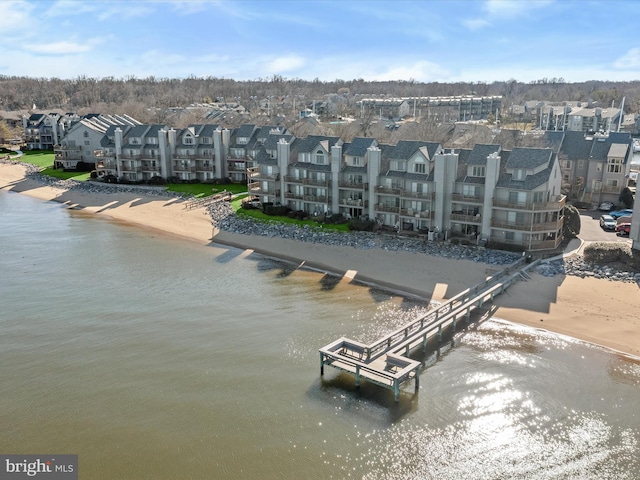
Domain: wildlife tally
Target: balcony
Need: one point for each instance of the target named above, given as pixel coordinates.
(237, 168)
(183, 156)
(459, 217)
(264, 176)
(105, 165)
(316, 182)
(130, 169)
(388, 190)
(205, 168)
(349, 202)
(353, 186)
(316, 198)
(459, 197)
(293, 196)
(103, 154)
(410, 212)
(183, 168)
(419, 195)
(527, 226)
(381, 207)
(552, 206)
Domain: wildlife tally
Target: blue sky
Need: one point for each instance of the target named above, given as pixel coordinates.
(443, 41)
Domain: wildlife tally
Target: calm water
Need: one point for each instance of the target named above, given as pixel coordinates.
(154, 358)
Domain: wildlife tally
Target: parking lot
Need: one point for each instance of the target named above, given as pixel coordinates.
(590, 228)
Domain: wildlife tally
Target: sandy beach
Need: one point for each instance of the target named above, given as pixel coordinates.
(597, 311)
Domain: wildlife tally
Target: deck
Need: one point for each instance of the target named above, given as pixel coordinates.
(386, 361)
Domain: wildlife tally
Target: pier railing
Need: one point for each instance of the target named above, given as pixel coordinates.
(385, 361)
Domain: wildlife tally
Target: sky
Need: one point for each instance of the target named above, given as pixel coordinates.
(421, 40)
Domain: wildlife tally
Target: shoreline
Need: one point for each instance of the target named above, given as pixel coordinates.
(596, 311)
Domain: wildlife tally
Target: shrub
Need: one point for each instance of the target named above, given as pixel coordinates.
(358, 225)
(606, 253)
(571, 225)
(156, 180)
(276, 210)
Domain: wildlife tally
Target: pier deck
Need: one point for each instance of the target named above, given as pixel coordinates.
(386, 361)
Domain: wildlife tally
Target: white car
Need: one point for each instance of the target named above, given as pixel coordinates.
(607, 222)
(606, 206)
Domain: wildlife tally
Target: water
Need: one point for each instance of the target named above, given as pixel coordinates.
(155, 358)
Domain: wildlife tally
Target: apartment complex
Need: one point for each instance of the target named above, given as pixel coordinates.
(457, 108)
(486, 194)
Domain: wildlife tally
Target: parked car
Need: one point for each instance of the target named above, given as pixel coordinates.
(623, 229)
(621, 213)
(606, 206)
(607, 222)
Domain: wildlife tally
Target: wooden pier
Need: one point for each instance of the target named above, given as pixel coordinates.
(386, 361)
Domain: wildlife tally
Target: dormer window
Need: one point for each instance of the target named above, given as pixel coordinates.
(519, 174)
(419, 168)
(356, 161)
(478, 171)
(320, 157)
(188, 140)
(398, 165)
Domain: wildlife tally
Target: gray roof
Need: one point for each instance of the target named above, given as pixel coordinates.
(311, 142)
(271, 143)
(405, 149)
(358, 146)
(529, 158)
(480, 153)
(505, 180)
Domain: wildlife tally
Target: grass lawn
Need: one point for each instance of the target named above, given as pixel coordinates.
(40, 158)
(260, 216)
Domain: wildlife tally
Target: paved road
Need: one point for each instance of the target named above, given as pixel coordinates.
(590, 230)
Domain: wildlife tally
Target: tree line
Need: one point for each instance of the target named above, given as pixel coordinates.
(18, 93)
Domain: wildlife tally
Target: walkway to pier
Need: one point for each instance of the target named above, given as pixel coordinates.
(386, 361)
(200, 201)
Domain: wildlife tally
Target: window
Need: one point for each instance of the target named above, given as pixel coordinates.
(478, 171)
(519, 198)
(538, 197)
(206, 140)
(469, 191)
(509, 235)
(612, 182)
(87, 142)
(614, 165)
(398, 165)
(565, 164)
(519, 174)
(85, 134)
(320, 157)
(580, 164)
(188, 140)
(599, 167)
(419, 168)
(356, 161)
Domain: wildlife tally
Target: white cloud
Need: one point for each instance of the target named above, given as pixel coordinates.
(422, 71)
(631, 59)
(59, 48)
(16, 17)
(475, 24)
(285, 64)
(511, 8)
